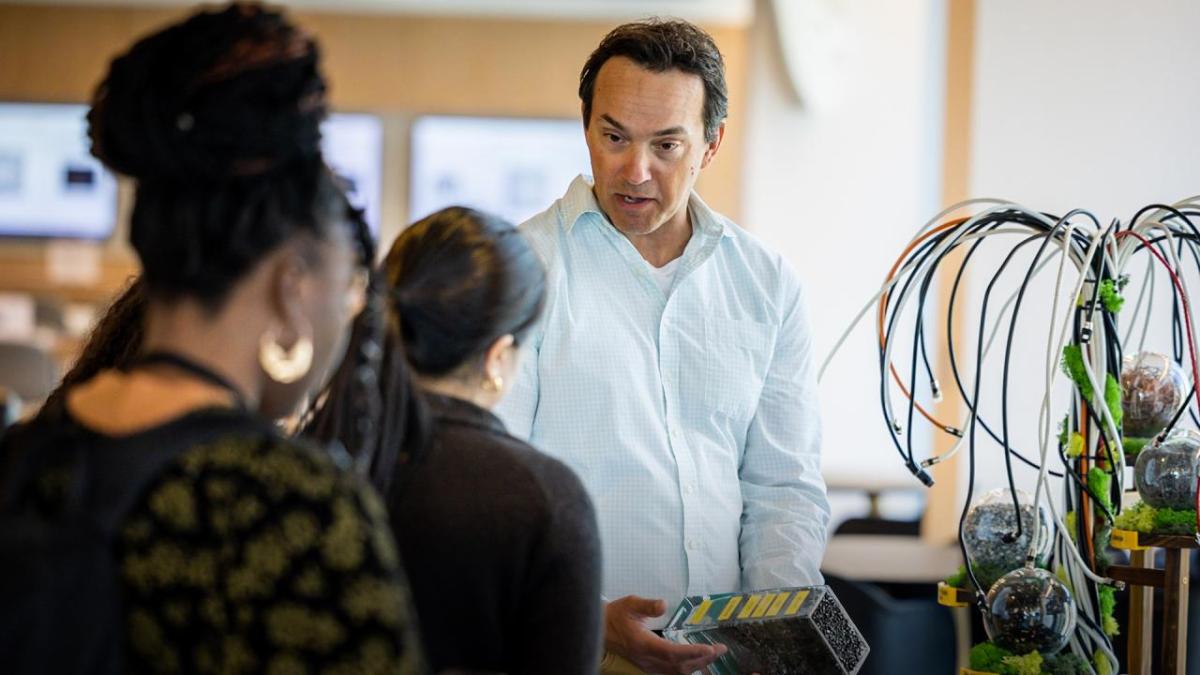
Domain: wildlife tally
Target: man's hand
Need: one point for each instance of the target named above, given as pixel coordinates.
(626, 634)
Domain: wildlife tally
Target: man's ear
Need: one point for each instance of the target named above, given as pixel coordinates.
(715, 145)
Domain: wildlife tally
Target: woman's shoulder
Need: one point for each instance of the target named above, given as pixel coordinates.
(523, 465)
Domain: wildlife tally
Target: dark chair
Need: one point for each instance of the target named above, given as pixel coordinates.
(905, 636)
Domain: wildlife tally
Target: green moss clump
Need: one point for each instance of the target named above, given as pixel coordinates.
(987, 657)
(1175, 521)
(1112, 399)
(987, 575)
(1138, 518)
(1108, 603)
(1141, 517)
(1133, 446)
(1075, 446)
(1100, 482)
(1072, 364)
(1029, 664)
(1110, 297)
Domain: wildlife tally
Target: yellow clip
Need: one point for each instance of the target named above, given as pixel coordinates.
(948, 596)
(1127, 539)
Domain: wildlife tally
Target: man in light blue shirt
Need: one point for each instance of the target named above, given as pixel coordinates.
(672, 368)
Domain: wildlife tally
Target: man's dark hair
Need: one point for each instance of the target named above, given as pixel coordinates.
(660, 45)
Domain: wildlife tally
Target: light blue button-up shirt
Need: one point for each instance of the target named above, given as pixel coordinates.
(691, 416)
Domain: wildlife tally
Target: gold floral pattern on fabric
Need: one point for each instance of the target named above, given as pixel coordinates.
(258, 555)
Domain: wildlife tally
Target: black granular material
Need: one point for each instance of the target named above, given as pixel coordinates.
(845, 640)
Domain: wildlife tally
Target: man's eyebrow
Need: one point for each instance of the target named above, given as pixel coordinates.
(673, 131)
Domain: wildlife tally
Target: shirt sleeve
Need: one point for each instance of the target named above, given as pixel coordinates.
(519, 406)
(785, 513)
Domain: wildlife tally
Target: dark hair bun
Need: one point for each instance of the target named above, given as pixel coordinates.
(224, 94)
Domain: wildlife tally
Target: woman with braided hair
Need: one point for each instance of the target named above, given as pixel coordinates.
(151, 518)
(500, 540)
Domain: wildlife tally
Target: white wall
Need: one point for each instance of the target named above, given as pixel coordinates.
(839, 191)
(1079, 103)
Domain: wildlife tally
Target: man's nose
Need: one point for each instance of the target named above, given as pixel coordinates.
(636, 169)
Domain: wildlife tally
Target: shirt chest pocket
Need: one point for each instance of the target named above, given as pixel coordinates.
(737, 354)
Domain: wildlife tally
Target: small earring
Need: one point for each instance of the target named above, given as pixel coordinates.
(493, 383)
(285, 366)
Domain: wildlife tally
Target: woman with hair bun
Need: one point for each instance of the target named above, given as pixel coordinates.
(152, 519)
(500, 541)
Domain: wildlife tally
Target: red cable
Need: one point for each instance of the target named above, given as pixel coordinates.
(1187, 312)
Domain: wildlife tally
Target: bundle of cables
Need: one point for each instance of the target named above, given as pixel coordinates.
(1083, 341)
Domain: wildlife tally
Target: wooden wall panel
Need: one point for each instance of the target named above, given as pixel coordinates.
(397, 66)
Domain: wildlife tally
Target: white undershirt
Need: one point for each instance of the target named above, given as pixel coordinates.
(665, 276)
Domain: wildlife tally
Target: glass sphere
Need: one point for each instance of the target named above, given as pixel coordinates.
(1166, 475)
(1152, 389)
(991, 523)
(1030, 609)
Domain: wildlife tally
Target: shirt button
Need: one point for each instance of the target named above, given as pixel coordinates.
(692, 544)
(689, 489)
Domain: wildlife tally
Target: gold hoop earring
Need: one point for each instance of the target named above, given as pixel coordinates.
(285, 366)
(494, 383)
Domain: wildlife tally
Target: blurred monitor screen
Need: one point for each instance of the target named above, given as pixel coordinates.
(353, 147)
(50, 186)
(514, 168)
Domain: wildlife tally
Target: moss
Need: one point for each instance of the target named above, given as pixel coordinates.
(987, 657)
(1108, 603)
(1112, 399)
(1133, 446)
(1072, 363)
(986, 574)
(1100, 482)
(1103, 667)
(1110, 297)
(1075, 447)
(1175, 521)
(1029, 664)
(1069, 521)
(1065, 663)
(1141, 517)
(1138, 518)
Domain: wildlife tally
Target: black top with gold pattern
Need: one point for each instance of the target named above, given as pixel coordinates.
(255, 553)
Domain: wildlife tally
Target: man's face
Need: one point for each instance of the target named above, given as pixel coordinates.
(646, 141)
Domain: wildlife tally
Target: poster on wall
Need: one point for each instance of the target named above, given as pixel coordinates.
(50, 186)
(512, 167)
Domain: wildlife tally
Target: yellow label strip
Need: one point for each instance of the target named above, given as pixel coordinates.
(750, 605)
(778, 604)
(764, 605)
(699, 613)
(730, 606)
(797, 601)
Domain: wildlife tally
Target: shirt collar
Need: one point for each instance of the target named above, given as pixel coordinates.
(580, 201)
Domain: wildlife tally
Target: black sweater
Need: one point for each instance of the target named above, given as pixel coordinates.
(501, 546)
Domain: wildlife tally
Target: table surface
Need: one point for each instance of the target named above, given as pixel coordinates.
(893, 559)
